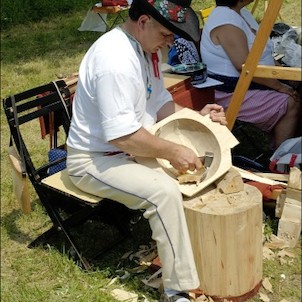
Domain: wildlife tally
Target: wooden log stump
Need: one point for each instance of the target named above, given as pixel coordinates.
(226, 236)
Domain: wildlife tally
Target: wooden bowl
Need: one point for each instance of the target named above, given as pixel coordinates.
(199, 133)
(194, 135)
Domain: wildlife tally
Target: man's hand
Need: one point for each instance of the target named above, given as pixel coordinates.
(216, 113)
(183, 158)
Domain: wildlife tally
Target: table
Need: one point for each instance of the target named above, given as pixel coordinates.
(102, 11)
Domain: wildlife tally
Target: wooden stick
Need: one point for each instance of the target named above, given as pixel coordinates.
(274, 176)
(279, 72)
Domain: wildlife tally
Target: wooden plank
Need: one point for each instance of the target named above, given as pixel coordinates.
(274, 176)
(250, 66)
(251, 176)
(287, 196)
(279, 72)
(295, 178)
(291, 212)
(280, 204)
(293, 196)
(289, 231)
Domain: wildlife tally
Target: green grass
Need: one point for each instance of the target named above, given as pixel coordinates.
(37, 53)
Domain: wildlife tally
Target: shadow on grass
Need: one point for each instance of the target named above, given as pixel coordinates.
(13, 225)
(102, 238)
(103, 247)
(9, 221)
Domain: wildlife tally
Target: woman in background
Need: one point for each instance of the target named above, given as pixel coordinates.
(227, 38)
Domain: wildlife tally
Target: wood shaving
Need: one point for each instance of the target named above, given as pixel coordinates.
(267, 285)
(268, 253)
(192, 177)
(264, 297)
(276, 243)
(123, 295)
(282, 261)
(284, 253)
(202, 298)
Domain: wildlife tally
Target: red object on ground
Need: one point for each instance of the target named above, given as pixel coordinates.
(265, 189)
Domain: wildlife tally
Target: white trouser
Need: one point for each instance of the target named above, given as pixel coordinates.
(120, 178)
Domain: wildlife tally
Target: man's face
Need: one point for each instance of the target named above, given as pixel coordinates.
(154, 36)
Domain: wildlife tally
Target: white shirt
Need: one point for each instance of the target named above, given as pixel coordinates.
(214, 56)
(111, 96)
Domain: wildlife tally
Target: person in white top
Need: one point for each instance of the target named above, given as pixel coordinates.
(120, 93)
(226, 40)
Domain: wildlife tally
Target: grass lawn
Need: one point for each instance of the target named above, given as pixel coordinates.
(39, 53)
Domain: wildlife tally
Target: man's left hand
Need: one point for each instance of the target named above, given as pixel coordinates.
(216, 113)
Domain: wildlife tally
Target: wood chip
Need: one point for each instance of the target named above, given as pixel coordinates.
(190, 177)
(276, 243)
(285, 253)
(123, 295)
(202, 298)
(268, 253)
(267, 285)
(264, 297)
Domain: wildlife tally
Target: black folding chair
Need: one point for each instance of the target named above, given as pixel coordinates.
(47, 108)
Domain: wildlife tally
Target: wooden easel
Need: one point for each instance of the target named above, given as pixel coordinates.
(251, 69)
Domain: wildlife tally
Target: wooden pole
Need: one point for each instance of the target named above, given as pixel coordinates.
(250, 66)
(279, 72)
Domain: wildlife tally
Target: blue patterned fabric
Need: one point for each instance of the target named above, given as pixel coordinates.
(53, 155)
(183, 52)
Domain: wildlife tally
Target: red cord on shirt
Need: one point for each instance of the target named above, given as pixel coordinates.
(155, 62)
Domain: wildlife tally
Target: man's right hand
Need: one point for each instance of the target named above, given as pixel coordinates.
(183, 159)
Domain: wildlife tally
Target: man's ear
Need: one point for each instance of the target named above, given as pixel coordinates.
(142, 20)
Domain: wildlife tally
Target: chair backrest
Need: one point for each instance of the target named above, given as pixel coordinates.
(204, 13)
(34, 114)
